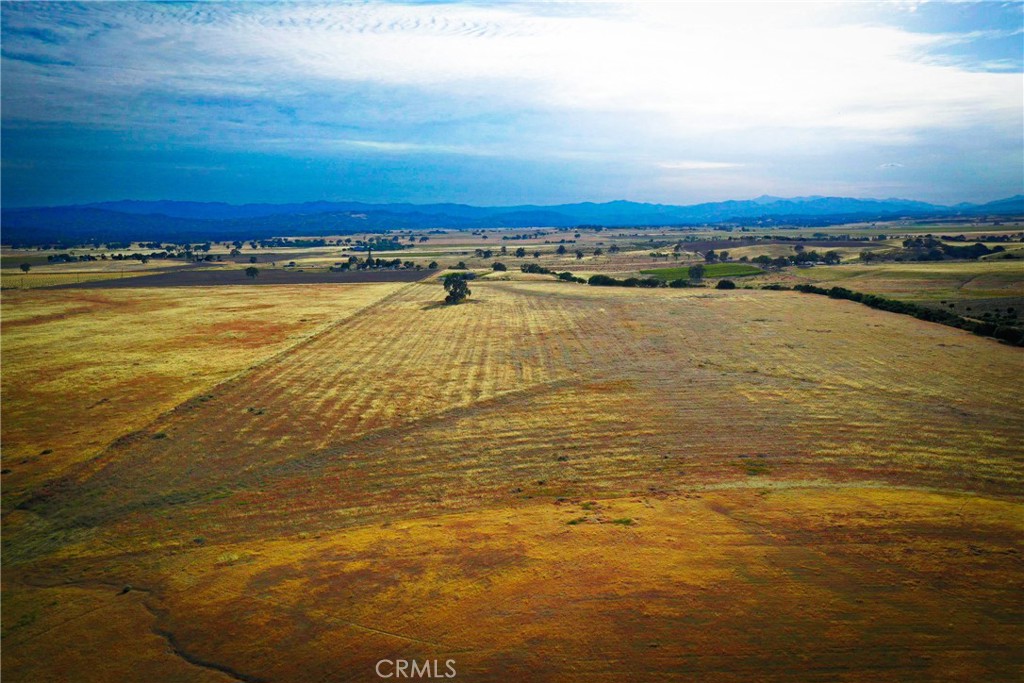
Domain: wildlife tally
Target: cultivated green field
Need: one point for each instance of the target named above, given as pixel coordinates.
(711, 270)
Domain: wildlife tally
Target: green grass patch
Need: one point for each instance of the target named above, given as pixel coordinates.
(710, 270)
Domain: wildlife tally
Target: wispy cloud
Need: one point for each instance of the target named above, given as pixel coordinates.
(614, 86)
(698, 165)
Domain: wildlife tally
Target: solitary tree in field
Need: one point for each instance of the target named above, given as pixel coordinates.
(457, 288)
(25, 267)
(433, 265)
(252, 259)
(696, 272)
(520, 252)
(561, 249)
(252, 271)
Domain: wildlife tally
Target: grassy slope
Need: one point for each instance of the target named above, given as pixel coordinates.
(401, 485)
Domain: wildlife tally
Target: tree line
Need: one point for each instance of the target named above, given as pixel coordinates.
(1010, 335)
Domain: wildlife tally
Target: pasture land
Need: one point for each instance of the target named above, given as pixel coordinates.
(711, 270)
(292, 483)
(55, 278)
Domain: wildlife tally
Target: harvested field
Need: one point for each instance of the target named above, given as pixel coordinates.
(923, 282)
(548, 482)
(37, 279)
(113, 360)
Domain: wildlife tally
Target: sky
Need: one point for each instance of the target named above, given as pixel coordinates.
(510, 103)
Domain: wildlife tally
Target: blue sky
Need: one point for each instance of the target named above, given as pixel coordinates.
(507, 103)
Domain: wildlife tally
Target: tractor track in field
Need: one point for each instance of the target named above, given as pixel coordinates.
(96, 462)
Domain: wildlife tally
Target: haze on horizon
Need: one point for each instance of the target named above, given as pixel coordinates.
(506, 103)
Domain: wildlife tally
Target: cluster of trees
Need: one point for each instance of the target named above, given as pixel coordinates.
(711, 257)
(928, 248)
(1019, 237)
(534, 235)
(488, 253)
(144, 258)
(1011, 335)
(650, 282)
(286, 243)
(370, 263)
(380, 244)
(608, 281)
(829, 258)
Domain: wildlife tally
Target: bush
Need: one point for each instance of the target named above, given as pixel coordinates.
(725, 284)
(603, 281)
(498, 266)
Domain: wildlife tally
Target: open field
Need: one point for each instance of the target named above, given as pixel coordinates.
(710, 270)
(924, 281)
(548, 482)
(236, 276)
(80, 368)
(35, 280)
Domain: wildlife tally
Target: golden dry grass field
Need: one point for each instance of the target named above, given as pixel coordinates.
(548, 482)
(52, 277)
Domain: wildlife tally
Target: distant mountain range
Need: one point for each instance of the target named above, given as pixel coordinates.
(173, 220)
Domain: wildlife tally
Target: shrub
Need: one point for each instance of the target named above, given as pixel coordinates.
(603, 281)
(725, 284)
